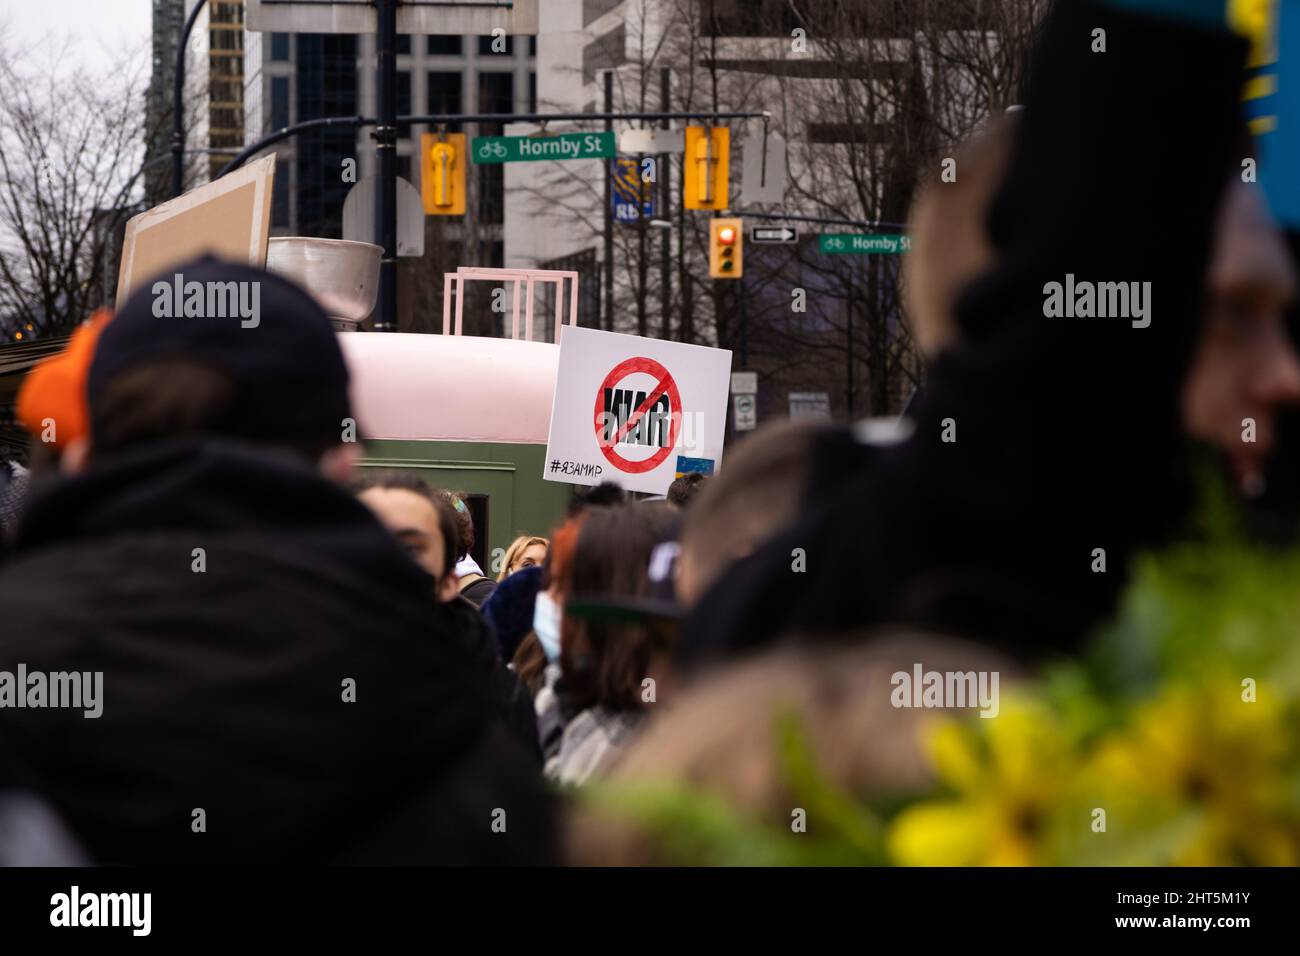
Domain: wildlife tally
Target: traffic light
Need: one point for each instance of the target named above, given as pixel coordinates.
(705, 185)
(726, 249)
(442, 173)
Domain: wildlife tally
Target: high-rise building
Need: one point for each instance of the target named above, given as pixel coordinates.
(862, 94)
(225, 87)
(213, 97)
(301, 76)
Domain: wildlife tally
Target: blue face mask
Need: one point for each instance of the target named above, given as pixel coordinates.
(546, 625)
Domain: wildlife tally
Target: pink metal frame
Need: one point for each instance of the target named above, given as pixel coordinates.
(529, 277)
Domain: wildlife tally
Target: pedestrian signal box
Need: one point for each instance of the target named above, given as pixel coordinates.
(443, 162)
(706, 161)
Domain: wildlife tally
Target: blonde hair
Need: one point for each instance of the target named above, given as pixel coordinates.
(754, 497)
(517, 548)
(948, 225)
(719, 738)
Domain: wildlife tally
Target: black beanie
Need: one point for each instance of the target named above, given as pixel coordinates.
(264, 332)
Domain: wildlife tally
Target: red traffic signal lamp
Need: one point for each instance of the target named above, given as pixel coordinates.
(726, 249)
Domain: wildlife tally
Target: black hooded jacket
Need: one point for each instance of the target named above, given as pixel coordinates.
(270, 657)
(1042, 444)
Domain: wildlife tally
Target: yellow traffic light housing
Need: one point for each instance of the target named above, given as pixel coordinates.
(726, 249)
(705, 175)
(442, 173)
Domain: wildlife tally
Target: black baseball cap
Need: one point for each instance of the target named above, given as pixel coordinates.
(267, 334)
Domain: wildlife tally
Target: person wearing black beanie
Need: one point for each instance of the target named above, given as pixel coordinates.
(274, 686)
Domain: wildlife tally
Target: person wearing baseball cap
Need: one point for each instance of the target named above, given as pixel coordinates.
(264, 644)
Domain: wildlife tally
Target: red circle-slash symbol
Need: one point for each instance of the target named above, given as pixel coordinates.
(664, 384)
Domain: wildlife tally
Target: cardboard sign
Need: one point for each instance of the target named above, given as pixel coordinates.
(635, 411)
(229, 218)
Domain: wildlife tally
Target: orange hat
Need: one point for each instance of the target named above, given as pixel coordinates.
(55, 390)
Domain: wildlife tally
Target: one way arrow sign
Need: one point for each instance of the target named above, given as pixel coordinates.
(774, 234)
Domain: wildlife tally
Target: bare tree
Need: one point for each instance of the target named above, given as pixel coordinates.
(869, 96)
(71, 154)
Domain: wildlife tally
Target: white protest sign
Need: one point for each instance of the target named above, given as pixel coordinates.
(635, 411)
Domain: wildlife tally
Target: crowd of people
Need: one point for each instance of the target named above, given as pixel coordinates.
(301, 660)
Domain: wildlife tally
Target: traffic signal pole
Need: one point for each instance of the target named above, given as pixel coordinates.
(385, 137)
(431, 120)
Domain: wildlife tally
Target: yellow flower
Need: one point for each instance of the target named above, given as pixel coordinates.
(1203, 756)
(1008, 774)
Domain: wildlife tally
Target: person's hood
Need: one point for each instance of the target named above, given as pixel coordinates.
(307, 682)
(211, 484)
(509, 609)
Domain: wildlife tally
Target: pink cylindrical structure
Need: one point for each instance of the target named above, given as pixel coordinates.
(451, 387)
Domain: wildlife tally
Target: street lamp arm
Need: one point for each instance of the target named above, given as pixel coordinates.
(282, 134)
(178, 102)
(824, 220)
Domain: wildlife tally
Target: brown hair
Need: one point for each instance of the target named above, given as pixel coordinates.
(171, 398)
(948, 222)
(603, 662)
(684, 489)
(405, 481)
(464, 522)
(721, 735)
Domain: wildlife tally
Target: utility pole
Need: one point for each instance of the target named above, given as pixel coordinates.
(849, 312)
(744, 325)
(665, 205)
(609, 210)
(687, 329)
(385, 137)
(642, 256)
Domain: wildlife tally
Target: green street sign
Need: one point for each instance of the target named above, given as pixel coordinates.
(521, 149)
(868, 244)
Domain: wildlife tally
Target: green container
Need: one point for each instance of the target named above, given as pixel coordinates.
(502, 481)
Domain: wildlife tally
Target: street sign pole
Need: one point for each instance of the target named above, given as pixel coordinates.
(609, 211)
(665, 204)
(385, 136)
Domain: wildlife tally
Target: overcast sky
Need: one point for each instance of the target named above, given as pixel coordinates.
(99, 29)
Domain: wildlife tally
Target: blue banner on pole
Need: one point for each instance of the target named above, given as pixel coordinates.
(1275, 116)
(629, 185)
